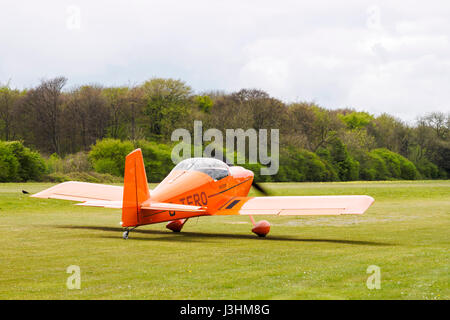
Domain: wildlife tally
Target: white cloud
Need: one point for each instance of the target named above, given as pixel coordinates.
(380, 56)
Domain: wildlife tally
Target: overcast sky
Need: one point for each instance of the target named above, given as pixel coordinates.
(378, 56)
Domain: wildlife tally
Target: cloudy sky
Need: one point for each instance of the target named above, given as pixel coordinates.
(378, 56)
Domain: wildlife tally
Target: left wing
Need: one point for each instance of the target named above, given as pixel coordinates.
(106, 196)
(296, 206)
(83, 191)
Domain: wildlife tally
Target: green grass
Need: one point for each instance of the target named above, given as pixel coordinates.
(405, 233)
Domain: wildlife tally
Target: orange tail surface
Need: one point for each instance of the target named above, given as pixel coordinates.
(135, 189)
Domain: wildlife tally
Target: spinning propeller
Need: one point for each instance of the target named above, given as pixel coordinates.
(260, 189)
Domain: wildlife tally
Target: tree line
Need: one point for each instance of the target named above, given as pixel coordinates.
(316, 144)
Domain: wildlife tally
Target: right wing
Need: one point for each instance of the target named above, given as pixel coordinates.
(296, 206)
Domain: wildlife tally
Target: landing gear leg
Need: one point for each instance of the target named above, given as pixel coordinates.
(126, 232)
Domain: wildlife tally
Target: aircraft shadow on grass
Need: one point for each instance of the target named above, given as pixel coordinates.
(187, 236)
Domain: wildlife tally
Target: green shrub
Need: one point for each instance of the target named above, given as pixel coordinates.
(327, 159)
(379, 166)
(108, 156)
(9, 165)
(342, 163)
(18, 163)
(368, 174)
(442, 174)
(315, 168)
(301, 165)
(408, 170)
(395, 166)
(372, 166)
(109, 166)
(256, 169)
(54, 163)
(391, 160)
(157, 159)
(427, 169)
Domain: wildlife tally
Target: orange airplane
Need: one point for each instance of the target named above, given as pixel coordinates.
(197, 187)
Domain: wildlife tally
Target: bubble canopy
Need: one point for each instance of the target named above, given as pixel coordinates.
(215, 168)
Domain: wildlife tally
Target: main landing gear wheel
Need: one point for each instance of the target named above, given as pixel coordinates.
(261, 229)
(176, 225)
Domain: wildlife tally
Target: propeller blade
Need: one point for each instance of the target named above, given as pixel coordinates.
(259, 188)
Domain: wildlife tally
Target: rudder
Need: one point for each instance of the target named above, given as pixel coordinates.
(135, 190)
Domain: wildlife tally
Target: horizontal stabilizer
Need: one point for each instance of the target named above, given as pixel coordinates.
(172, 207)
(100, 203)
(151, 206)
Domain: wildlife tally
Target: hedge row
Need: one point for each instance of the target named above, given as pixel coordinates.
(107, 157)
(333, 163)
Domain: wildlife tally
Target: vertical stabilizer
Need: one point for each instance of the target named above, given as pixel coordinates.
(135, 190)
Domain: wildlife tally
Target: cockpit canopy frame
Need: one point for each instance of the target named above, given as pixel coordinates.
(215, 168)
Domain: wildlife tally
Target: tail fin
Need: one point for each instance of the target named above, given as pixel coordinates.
(135, 189)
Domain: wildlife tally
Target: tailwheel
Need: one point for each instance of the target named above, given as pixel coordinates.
(127, 232)
(261, 229)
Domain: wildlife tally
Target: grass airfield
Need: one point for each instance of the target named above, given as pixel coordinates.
(405, 233)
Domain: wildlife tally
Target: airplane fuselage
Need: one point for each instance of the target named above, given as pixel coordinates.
(196, 189)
